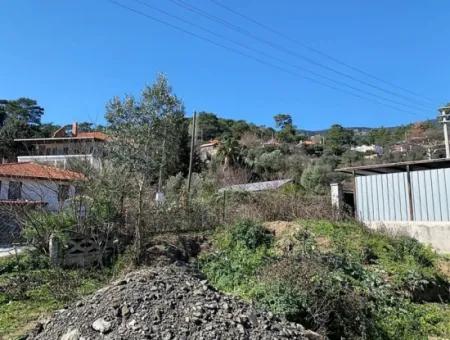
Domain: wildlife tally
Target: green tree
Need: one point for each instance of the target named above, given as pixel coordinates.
(210, 126)
(287, 130)
(229, 152)
(20, 118)
(338, 139)
(149, 139)
(315, 178)
(282, 120)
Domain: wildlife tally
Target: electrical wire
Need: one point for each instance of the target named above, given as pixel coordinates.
(315, 50)
(261, 61)
(276, 46)
(220, 36)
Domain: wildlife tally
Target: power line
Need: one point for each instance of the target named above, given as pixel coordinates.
(249, 34)
(315, 50)
(261, 61)
(166, 13)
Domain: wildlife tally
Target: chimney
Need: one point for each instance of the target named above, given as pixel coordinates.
(74, 129)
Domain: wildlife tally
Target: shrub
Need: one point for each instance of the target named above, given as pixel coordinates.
(40, 225)
(359, 284)
(242, 250)
(251, 234)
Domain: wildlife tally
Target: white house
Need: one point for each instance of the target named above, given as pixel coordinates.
(36, 184)
(65, 145)
(373, 149)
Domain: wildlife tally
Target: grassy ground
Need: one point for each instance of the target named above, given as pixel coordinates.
(337, 278)
(31, 290)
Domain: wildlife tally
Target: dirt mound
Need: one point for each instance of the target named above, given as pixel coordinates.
(165, 302)
(279, 227)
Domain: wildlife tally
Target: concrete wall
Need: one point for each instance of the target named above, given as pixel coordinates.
(436, 234)
(36, 190)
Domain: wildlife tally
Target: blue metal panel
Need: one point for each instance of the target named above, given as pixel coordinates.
(384, 197)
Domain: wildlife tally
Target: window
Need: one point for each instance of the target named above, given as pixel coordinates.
(63, 192)
(66, 150)
(15, 190)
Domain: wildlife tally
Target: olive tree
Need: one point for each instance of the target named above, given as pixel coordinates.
(149, 140)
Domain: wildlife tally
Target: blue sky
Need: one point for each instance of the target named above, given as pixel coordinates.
(74, 56)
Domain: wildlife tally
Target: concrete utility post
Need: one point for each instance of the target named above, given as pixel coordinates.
(444, 118)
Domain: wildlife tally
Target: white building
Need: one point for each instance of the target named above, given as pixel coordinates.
(372, 149)
(65, 145)
(36, 185)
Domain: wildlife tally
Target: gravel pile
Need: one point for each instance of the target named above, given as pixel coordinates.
(165, 302)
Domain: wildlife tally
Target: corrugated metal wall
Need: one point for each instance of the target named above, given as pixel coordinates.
(385, 197)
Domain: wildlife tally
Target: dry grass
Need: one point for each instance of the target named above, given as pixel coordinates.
(277, 206)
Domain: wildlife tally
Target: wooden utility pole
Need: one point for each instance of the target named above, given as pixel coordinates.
(191, 159)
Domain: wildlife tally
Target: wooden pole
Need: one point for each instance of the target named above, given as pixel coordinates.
(191, 157)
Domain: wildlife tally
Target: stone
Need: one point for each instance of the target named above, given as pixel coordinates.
(310, 335)
(180, 308)
(102, 326)
(125, 311)
(72, 334)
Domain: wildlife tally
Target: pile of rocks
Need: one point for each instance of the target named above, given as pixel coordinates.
(165, 302)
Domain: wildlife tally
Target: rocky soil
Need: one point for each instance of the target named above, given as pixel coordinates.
(165, 302)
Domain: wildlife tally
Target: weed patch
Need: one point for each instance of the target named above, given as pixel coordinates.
(337, 278)
(30, 289)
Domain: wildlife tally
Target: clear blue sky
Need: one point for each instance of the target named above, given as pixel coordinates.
(74, 56)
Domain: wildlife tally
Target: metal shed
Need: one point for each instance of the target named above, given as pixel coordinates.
(412, 196)
(405, 191)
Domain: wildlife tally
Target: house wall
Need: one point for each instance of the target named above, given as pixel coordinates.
(37, 190)
(61, 161)
(74, 147)
(385, 197)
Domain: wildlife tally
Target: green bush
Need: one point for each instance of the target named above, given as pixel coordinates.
(337, 278)
(40, 225)
(251, 234)
(241, 251)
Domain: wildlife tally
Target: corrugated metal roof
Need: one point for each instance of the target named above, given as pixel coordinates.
(258, 186)
(375, 169)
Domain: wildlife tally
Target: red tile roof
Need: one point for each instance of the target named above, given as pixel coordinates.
(212, 142)
(95, 135)
(38, 171)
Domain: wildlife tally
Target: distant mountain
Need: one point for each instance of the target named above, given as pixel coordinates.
(364, 129)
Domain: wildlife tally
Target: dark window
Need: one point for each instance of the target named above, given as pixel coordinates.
(15, 191)
(55, 151)
(63, 192)
(66, 150)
